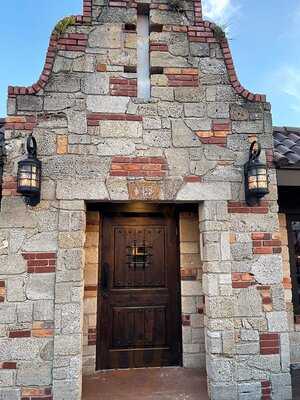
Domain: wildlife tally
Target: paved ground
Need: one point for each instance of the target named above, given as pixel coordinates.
(155, 384)
(296, 384)
(146, 384)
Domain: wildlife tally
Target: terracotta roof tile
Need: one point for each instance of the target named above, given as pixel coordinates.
(287, 147)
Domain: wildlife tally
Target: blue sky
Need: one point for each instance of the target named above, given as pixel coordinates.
(264, 38)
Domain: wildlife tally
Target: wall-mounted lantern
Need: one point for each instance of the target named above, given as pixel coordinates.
(256, 176)
(29, 174)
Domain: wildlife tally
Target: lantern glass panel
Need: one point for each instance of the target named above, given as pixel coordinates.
(28, 177)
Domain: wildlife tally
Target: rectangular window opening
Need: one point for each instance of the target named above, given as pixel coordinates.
(130, 69)
(130, 28)
(143, 52)
(157, 70)
(158, 28)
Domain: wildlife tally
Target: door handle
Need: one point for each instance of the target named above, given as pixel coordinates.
(105, 279)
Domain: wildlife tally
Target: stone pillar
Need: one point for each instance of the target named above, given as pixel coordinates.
(219, 300)
(67, 362)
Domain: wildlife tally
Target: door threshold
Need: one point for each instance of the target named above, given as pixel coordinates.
(100, 371)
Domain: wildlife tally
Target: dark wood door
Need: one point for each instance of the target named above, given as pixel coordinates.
(139, 293)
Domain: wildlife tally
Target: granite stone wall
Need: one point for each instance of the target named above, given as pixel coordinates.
(99, 142)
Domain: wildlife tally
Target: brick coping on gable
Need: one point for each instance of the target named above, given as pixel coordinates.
(202, 30)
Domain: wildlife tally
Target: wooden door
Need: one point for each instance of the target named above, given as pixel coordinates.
(139, 293)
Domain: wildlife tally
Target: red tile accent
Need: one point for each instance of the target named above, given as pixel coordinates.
(92, 336)
(182, 77)
(138, 166)
(19, 334)
(240, 207)
(8, 365)
(265, 243)
(24, 122)
(242, 280)
(188, 274)
(157, 46)
(36, 393)
(266, 390)
(192, 178)
(123, 87)
(269, 343)
(40, 262)
(93, 119)
(186, 320)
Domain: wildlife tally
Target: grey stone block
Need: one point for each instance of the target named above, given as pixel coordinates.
(34, 374)
(15, 289)
(29, 103)
(43, 310)
(7, 378)
(95, 84)
(66, 345)
(107, 104)
(10, 393)
(63, 82)
(88, 189)
(40, 286)
(204, 191)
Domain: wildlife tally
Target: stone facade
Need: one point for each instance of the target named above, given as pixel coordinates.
(294, 320)
(98, 142)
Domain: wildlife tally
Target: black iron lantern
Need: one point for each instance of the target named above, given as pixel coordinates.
(29, 174)
(256, 176)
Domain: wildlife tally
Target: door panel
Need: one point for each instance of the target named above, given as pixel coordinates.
(139, 312)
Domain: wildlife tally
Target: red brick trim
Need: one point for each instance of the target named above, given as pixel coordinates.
(36, 393)
(240, 207)
(71, 42)
(217, 135)
(188, 274)
(8, 365)
(186, 320)
(266, 390)
(138, 166)
(40, 262)
(269, 343)
(203, 32)
(39, 329)
(265, 293)
(192, 178)
(19, 334)
(93, 119)
(242, 280)
(266, 243)
(182, 77)
(2, 291)
(157, 46)
(92, 336)
(123, 87)
(198, 11)
(20, 122)
(9, 186)
(87, 8)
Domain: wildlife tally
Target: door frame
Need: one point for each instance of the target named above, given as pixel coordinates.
(143, 209)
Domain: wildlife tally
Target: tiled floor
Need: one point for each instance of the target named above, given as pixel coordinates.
(146, 384)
